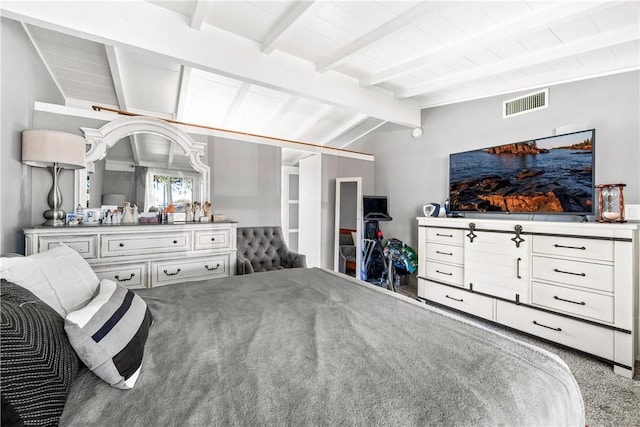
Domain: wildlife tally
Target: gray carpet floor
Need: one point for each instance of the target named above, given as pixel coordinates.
(610, 400)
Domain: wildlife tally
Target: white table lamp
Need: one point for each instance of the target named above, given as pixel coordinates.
(57, 151)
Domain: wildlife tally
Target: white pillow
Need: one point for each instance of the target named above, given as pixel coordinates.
(60, 277)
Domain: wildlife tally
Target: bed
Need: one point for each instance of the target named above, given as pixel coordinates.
(312, 347)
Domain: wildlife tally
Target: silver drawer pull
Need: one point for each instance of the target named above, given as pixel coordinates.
(117, 277)
(212, 268)
(548, 327)
(121, 245)
(567, 300)
(569, 272)
(444, 272)
(582, 248)
(444, 253)
(171, 274)
(444, 235)
(455, 299)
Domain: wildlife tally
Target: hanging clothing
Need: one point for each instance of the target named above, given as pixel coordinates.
(402, 255)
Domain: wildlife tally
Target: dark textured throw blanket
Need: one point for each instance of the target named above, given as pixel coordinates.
(308, 347)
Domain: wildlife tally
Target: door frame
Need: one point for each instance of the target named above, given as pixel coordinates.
(358, 242)
(286, 203)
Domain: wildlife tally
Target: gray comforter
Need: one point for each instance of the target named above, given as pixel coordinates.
(308, 347)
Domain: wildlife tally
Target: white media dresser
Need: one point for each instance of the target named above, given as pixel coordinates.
(572, 283)
(148, 255)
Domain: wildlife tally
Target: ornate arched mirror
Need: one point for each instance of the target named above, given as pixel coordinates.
(144, 161)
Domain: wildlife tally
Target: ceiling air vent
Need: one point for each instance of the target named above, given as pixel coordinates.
(526, 103)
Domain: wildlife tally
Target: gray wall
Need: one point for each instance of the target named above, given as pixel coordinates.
(24, 81)
(245, 181)
(412, 172)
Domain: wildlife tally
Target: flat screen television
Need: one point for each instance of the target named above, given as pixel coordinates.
(551, 175)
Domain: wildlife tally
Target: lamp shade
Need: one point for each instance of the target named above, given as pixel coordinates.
(44, 148)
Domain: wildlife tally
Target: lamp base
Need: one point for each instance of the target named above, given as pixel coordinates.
(54, 218)
(54, 215)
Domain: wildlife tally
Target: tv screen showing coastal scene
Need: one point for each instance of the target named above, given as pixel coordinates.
(545, 175)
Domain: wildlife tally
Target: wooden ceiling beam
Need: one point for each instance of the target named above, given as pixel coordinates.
(118, 85)
(541, 18)
(199, 13)
(183, 92)
(619, 36)
(312, 121)
(141, 26)
(341, 130)
(297, 9)
(378, 35)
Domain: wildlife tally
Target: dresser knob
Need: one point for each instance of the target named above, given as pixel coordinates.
(121, 245)
(175, 241)
(213, 239)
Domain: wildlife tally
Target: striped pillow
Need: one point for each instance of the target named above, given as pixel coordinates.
(110, 332)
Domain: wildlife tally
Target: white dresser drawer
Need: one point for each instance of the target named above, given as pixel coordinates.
(573, 301)
(573, 333)
(85, 245)
(445, 273)
(576, 273)
(445, 253)
(511, 289)
(491, 244)
(594, 249)
(114, 245)
(213, 239)
(166, 272)
(445, 235)
(458, 299)
(128, 275)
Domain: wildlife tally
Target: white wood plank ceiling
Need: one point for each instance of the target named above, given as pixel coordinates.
(323, 72)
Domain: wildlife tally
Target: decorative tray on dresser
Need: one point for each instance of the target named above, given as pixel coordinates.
(572, 283)
(139, 256)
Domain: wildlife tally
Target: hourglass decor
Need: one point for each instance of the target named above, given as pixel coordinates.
(611, 202)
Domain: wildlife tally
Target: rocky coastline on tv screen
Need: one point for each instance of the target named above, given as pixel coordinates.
(548, 181)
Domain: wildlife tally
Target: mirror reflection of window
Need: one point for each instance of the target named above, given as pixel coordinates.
(163, 187)
(172, 190)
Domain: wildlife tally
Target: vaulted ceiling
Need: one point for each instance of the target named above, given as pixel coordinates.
(322, 72)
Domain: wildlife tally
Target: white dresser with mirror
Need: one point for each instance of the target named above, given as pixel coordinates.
(139, 256)
(124, 156)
